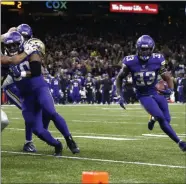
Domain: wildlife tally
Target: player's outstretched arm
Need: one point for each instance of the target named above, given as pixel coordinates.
(122, 74)
(28, 49)
(14, 59)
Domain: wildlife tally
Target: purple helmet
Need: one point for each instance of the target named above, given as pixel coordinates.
(13, 43)
(145, 46)
(25, 30)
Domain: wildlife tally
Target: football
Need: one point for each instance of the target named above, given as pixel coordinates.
(161, 85)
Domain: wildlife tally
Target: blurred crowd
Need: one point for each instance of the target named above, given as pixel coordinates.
(74, 51)
(98, 46)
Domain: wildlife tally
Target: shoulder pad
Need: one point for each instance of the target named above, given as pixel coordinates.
(159, 57)
(38, 43)
(127, 60)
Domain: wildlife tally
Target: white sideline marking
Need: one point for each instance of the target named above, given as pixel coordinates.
(99, 160)
(104, 138)
(158, 135)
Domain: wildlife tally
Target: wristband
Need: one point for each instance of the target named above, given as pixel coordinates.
(23, 74)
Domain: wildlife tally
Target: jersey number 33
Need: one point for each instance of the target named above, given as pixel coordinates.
(145, 78)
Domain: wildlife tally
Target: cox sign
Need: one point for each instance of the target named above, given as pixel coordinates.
(56, 4)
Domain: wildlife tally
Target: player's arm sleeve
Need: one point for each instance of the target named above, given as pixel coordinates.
(163, 63)
(122, 74)
(35, 65)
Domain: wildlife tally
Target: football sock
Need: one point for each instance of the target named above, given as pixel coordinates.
(165, 126)
(46, 122)
(28, 132)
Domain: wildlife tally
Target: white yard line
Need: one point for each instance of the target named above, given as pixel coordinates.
(104, 138)
(84, 134)
(112, 135)
(86, 121)
(79, 133)
(117, 122)
(105, 122)
(125, 115)
(160, 135)
(99, 160)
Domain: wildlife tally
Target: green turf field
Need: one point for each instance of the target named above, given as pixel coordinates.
(110, 139)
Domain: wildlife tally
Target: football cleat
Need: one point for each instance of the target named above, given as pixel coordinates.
(72, 145)
(182, 145)
(151, 124)
(29, 147)
(58, 149)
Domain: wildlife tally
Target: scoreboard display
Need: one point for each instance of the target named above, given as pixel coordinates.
(12, 4)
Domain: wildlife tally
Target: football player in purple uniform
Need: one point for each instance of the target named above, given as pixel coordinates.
(35, 93)
(145, 67)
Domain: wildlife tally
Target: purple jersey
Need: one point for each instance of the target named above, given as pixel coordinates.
(28, 85)
(55, 84)
(145, 74)
(76, 83)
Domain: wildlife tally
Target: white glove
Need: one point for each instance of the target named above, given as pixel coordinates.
(28, 49)
(51, 90)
